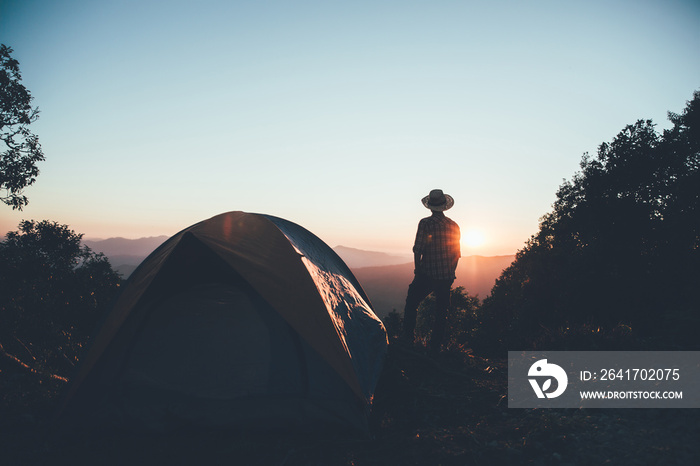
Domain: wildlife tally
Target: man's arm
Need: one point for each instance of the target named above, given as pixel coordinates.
(418, 246)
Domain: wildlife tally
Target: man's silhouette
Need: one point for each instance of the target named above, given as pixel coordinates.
(435, 253)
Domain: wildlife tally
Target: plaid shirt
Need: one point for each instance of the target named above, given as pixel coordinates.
(437, 247)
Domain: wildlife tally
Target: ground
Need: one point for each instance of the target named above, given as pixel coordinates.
(451, 410)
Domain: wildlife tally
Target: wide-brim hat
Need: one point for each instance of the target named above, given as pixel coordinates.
(438, 201)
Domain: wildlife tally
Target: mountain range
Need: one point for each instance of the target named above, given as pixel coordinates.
(356, 258)
(384, 277)
(125, 254)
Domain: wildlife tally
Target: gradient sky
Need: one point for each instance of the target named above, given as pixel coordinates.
(335, 115)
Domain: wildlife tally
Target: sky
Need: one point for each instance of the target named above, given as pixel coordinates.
(338, 116)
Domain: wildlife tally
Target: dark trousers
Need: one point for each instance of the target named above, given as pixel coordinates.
(418, 290)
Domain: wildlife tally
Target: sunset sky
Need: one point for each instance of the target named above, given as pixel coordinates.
(339, 116)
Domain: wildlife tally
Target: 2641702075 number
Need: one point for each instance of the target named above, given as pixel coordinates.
(640, 374)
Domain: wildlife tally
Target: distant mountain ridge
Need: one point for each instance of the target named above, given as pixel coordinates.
(384, 277)
(123, 253)
(355, 258)
(140, 247)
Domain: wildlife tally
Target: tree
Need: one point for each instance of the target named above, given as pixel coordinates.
(622, 243)
(18, 162)
(462, 318)
(52, 293)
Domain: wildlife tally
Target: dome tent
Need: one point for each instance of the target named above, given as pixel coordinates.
(242, 320)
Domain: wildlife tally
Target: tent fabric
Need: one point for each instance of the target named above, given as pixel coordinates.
(243, 319)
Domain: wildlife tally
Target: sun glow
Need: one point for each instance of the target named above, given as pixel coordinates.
(473, 239)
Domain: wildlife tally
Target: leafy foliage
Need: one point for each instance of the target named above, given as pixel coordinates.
(52, 292)
(18, 162)
(462, 318)
(392, 324)
(621, 245)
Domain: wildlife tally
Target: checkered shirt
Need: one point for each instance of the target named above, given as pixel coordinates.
(437, 245)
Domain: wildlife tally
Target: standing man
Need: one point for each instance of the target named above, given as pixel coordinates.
(435, 254)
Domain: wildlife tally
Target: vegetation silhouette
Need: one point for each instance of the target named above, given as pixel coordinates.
(22, 152)
(618, 257)
(52, 293)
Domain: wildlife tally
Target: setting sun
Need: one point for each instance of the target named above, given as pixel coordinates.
(473, 239)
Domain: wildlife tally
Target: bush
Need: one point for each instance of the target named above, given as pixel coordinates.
(52, 293)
